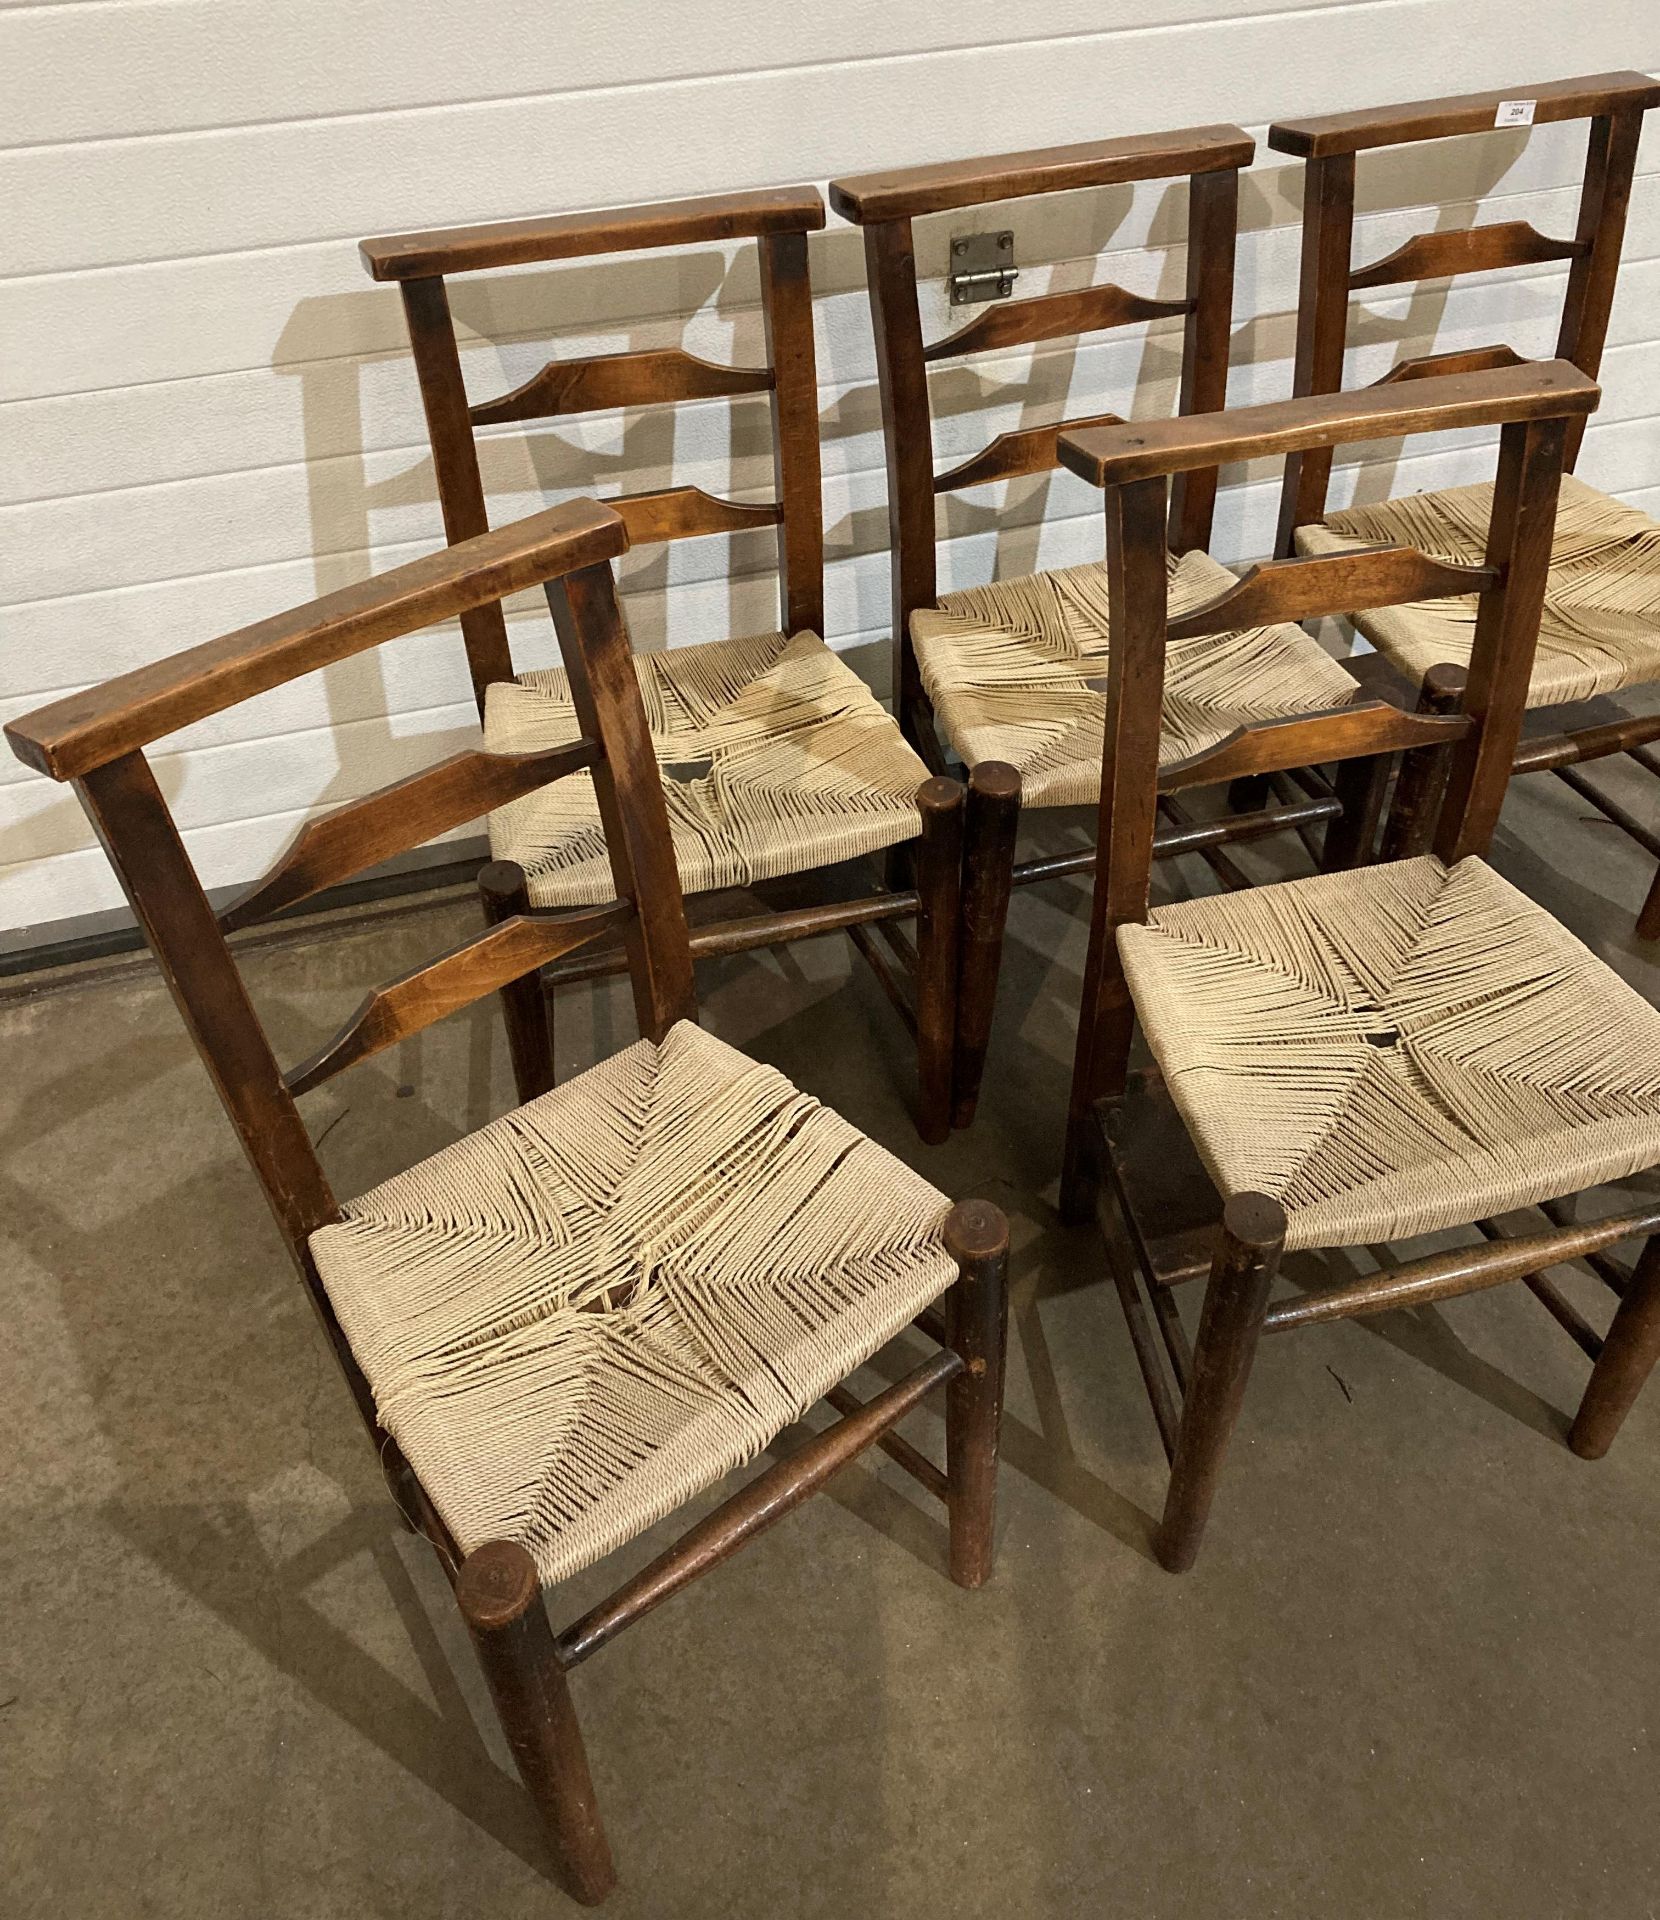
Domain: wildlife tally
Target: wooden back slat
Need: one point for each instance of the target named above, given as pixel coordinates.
(886, 204)
(358, 836)
(1051, 316)
(779, 222)
(1534, 406)
(619, 380)
(1614, 104)
(1321, 584)
(480, 965)
(679, 513)
(96, 739)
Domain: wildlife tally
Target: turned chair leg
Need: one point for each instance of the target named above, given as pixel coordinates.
(993, 817)
(939, 880)
(1648, 921)
(1628, 1357)
(977, 1238)
(1236, 1298)
(500, 1596)
(529, 1019)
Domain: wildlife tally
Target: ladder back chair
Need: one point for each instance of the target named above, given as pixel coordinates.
(1362, 1056)
(778, 761)
(1012, 670)
(1600, 631)
(564, 1325)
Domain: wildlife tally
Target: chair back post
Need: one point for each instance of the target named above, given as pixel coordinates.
(97, 740)
(432, 342)
(1614, 103)
(886, 206)
(787, 315)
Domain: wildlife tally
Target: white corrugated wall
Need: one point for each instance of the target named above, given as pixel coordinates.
(207, 413)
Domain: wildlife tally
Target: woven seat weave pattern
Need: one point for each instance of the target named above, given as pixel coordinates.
(590, 1310)
(1600, 630)
(1395, 1050)
(1008, 668)
(776, 759)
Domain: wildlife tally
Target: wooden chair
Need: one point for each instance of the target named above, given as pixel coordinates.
(1012, 671)
(564, 1325)
(778, 760)
(1601, 627)
(1361, 1056)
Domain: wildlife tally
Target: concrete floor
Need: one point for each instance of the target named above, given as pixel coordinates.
(1416, 1672)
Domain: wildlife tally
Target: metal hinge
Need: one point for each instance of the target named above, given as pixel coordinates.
(982, 267)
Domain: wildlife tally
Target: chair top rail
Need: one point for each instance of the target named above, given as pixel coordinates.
(72, 736)
(1332, 133)
(1140, 450)
(938, 186)
(574, 236)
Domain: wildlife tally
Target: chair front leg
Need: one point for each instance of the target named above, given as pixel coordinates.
(500, 1595)
(1628, 1357)
(1242, 1272)
(993, 818)
(525, 1007)
(977, 1238)
(939, 874)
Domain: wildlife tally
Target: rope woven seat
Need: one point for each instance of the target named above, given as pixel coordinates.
(1601, 625)
(1009, 669)
(776, 758)
(1395, 1049)
(592, 1309)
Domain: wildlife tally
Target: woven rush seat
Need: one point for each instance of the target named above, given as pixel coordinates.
(776, 758)
(592, 1309)
(1396, 1049)
(1008, 669)
(1601, 625)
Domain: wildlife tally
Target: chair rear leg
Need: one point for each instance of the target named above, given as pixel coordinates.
(1363, 788)
(1627, 1359)
(977, 1238)
(993, 817)
(1648, 921)
(939, 878)
(1236, 1298)
(500, 1595)
(525, 1007)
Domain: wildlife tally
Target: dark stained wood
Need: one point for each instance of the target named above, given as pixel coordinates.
(1264, 746)
(1306, 588)
(787, 311)
(900, 991)
(1248, 1249)
(1531, 453)
(1648, 920)
(688, 513)
(1605, 194)
(977, 1238)
(1422, 786)
(1322, 325)
(1363, 791)
(1539, 390)
(1556, 1303)
(1212, 241)
(1050, 316)
(74, 735)
(907, 192)
(756, 1506)
(939, 870)
(479, 965)
(1543, 752)
(574, 236)
(1629, 1355)
(526, 1010)
(608, 380)
(1440, 255)
(500, 1598)
(355, 837)
(455, 467)
(1021, 451)
(1441, 1276)
(1465, 360)
(898, 1449)
(1646, 835)
(1348, 133)
(991, 823)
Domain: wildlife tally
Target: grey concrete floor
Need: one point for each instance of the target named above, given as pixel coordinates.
(1416, 1671)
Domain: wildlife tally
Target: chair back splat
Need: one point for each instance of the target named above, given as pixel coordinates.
(887, 204)
(1613, 103)
(97, 740)
(1535, 404)
(779, 222)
